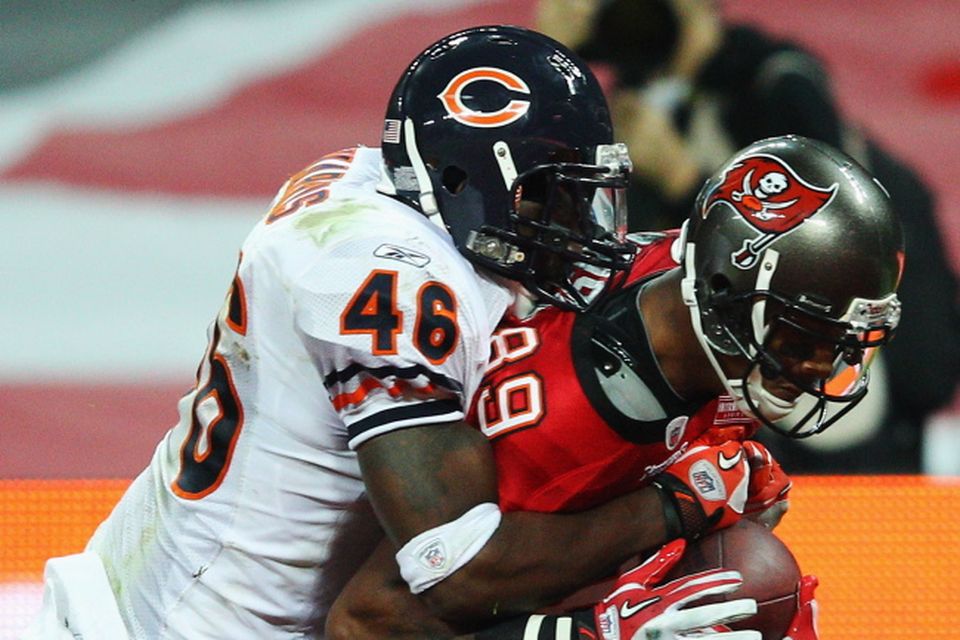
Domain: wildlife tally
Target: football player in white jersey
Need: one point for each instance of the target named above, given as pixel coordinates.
(329, 406)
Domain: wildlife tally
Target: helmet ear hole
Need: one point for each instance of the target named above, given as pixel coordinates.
(453, 179)
(534, 187)
(719, 287)
(735, 315)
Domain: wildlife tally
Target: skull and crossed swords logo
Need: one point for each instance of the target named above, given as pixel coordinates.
(771, 197)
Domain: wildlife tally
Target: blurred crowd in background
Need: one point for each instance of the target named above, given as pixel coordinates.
(688, 85)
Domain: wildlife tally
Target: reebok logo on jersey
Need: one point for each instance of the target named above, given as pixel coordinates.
(706, 480)
(393, 252)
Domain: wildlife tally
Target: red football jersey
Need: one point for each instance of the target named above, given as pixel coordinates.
(559, 441)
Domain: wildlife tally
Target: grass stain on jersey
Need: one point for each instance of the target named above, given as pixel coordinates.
(329, 221)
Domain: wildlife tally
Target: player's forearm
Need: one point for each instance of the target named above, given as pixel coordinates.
(534, 559)
(531, 561)
(376, 603)
(427, 484)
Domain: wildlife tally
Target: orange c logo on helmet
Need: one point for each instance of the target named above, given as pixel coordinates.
(452, 99)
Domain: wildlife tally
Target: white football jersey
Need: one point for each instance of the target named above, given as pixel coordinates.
(351, 315)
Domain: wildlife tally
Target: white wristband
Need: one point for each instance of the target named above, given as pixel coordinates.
(436, 553)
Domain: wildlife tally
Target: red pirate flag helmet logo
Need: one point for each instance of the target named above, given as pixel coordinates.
(770, 196)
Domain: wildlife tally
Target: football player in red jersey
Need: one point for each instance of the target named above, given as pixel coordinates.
(746, 302)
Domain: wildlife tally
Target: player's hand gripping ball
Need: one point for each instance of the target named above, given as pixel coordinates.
(771, 577)
(650, 603)
(704, 490)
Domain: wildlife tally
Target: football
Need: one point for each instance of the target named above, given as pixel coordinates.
(771, 575)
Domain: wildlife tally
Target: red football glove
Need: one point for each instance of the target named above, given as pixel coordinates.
(638, 610)
(704, 490)
(767, 496)
(804, 624)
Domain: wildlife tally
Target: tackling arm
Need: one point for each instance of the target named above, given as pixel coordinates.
(376, 604)
(421, 478)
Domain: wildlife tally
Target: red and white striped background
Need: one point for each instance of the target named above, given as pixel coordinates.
(127, 185)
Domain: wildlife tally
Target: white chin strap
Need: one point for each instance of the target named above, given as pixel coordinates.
(768, 405)
(428, 203)
(427, 200)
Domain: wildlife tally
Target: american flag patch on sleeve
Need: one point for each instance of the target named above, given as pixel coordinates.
(391, 131)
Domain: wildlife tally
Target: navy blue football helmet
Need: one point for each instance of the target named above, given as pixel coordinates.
(505, 135)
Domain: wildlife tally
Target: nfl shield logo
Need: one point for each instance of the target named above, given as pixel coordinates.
(434, 556)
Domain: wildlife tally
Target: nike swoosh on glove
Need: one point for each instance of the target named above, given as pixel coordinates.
(639, 608)
(704, 490)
